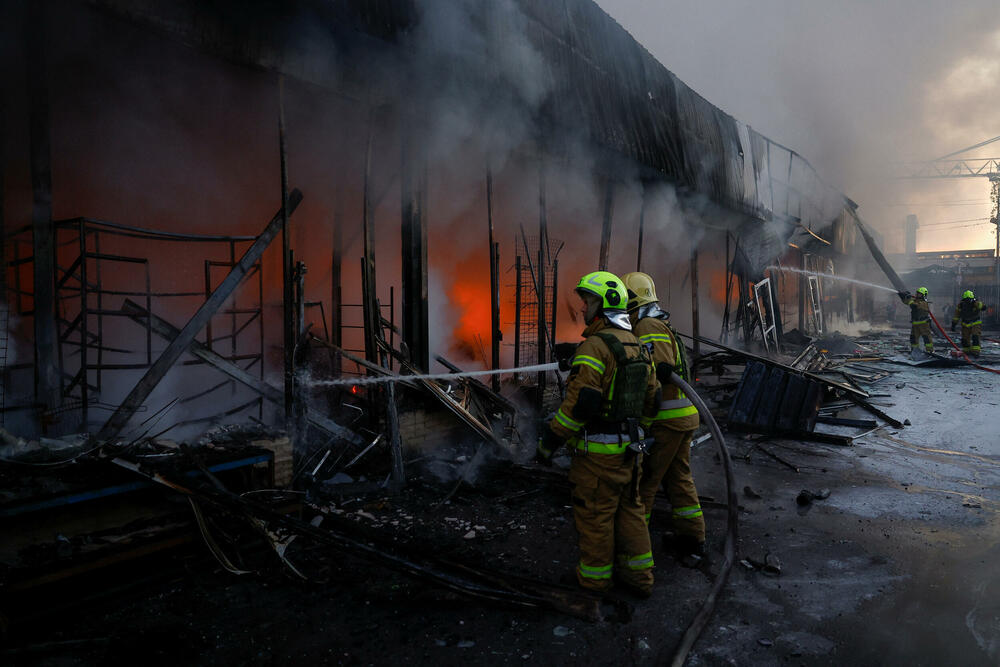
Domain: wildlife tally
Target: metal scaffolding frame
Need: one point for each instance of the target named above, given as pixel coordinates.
(88, 287)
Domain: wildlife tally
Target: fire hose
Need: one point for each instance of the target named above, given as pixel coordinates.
(962, 352)
(700, 620)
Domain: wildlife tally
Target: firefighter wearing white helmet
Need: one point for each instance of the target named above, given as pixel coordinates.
(669, 460)
(611, 386)
(920, 319)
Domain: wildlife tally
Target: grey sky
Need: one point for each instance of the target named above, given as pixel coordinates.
(851, 85)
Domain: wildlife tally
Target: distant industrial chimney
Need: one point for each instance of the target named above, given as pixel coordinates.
(910, 227)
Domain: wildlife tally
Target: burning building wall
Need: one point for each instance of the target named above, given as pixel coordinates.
(163, 115)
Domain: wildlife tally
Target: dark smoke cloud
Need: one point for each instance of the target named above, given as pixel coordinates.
(850, 85)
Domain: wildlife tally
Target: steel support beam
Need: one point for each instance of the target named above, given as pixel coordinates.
(287, 290)
(141, 391)
(495, 335)
(539, 278)
(695, 320)
(642, 225)
(369, 301)
(609, 208)
(47, 374)
(413, 229)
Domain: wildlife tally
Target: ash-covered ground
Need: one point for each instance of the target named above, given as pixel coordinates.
(897, 565)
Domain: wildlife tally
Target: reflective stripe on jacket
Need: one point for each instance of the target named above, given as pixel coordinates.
(675, 407)
(968, 312)
(594, 366)
(919, 310)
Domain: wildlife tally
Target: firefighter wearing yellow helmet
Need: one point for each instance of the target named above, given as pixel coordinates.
(610, 387)
(969, 313)
(669, 460)
(920, 319)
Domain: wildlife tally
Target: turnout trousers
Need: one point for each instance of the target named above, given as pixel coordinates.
(612, 534)
(972, 338)
(669, 462)
(920, 330)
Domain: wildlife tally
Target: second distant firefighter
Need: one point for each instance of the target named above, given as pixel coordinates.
(970, 313)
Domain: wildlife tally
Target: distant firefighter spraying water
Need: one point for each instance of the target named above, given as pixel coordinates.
(968, 312)
(920, 319)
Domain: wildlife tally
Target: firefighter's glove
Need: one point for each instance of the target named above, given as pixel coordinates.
(564, 352)
(904, 295)
(548, 443)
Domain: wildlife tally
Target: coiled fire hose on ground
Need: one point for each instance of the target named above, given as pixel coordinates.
(962, 352)
(700, 620)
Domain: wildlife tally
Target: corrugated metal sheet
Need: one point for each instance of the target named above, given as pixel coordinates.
(600, 82)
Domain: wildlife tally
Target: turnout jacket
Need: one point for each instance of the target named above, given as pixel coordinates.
(919, 310)
(590, 382)
(969, 312)
(675, 411)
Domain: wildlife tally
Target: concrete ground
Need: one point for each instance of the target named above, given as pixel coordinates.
(897, 566)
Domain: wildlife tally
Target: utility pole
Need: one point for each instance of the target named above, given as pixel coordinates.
(995, 196)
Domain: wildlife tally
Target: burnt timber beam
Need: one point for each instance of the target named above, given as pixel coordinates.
(539, 278)
(369, 300)
(47, 374)
(642, 224)
(158, 369)
(287, 299)
(695, 318)
(413, 231)
(495, 334)
(169, 332)
(609, 207)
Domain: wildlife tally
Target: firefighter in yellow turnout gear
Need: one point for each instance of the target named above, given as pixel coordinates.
(675, 422)
(611, 386)
(969, 313)
(920, 318)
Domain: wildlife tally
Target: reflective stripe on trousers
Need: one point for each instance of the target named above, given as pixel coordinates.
(641, 562)
(595, 572)
(689, 512)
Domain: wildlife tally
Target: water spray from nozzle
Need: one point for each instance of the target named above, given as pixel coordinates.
(830, 276)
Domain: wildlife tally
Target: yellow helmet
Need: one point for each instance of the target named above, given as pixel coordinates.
(605, 286)
(641, 289)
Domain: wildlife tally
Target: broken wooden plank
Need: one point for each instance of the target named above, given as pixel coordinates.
(395, 444)
(168, 331)
(464, 415)
(144, 387)
(875, 411)
(481, 387)
(437, 392)
(843, 421)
